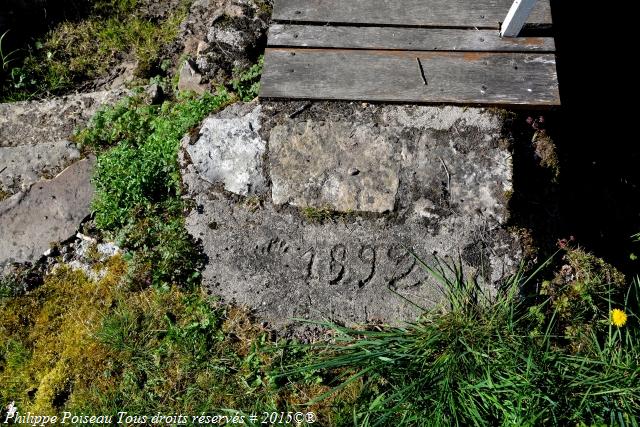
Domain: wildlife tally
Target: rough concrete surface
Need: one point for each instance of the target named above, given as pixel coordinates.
(35, 136)
(439, 179)
(50, 211)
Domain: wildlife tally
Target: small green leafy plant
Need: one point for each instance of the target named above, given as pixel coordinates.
(247, 84)
(138, 185)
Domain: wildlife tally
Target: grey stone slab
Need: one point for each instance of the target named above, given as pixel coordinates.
(36, 137)
(25, 164)
(50, 211)
(435, 158)
(354, 271)
(190, 79)
(437, 179)
(35, 122)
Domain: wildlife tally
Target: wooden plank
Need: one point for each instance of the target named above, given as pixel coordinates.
(395, 76)
(380, 38)
(432, 13)
(516, 18)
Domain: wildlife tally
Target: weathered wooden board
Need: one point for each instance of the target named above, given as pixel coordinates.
(380, 38)
(432, 13)
(396, 76)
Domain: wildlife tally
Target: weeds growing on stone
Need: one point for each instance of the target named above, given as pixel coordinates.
(317, 215)
(482, 363)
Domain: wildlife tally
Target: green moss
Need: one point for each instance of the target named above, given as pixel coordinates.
(317, 215)
(252, 203)
(50, 332)
(263, 6)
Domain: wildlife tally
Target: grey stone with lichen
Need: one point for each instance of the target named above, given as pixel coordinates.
(431, 180)
(229, 150)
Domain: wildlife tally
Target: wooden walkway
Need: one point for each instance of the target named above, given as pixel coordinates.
(419, 51)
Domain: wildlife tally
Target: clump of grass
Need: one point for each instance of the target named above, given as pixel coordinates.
(477, 364)
(88, 47)
(6, 58)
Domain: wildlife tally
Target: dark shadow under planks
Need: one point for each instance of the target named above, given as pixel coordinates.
(395, 76)
(379, 38)
(428, 13)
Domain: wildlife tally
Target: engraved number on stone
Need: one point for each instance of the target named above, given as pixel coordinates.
(336, 264)
(367, 255)
(310, 255)
(402, 262)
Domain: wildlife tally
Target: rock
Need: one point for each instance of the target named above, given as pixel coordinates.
(408, 184)
(154, 94)
(202, 46)
(36, 136)
(190, 79)
(25, 164)
(351, 166)
(312, 165)
(48, 212)
(223, 35)
(230, 151)
(34, 122)
(231, 38)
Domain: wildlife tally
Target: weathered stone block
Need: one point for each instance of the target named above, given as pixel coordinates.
(426, 180)
(341, 166)
(36, 137)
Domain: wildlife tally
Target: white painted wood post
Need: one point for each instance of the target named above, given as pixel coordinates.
(517, 16)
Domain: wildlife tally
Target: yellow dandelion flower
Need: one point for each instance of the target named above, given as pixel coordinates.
(618, 317)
